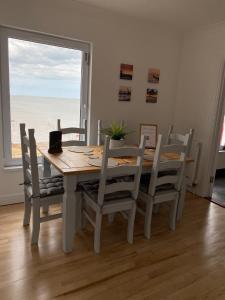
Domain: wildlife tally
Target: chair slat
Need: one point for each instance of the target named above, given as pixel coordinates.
(170, 164)
(173, 148)
(73, 143)
(121, 171)
(177, 137)
(167, 179)
(125, 151)
(119, 186)
(73, 130)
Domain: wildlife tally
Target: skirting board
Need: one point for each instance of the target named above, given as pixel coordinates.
(11, 199)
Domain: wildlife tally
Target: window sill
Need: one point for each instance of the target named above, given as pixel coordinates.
(12, 168)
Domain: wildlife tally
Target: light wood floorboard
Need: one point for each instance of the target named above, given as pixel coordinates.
(186, 264)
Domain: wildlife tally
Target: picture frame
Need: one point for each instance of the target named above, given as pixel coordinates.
(124, 93)
(150, 131)
(153, 75)
(151, 95)
(126, 71)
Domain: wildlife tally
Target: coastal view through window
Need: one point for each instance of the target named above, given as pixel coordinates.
(45, 83)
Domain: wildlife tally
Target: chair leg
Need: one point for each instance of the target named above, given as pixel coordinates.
(36, 220)
(97, 237)
(180, 206)
(130, 226)
(27, 210)
(173, 214)
(148, 218)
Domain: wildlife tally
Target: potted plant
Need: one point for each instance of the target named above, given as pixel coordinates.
(117, 135)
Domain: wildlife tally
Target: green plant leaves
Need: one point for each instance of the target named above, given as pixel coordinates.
(115, 131)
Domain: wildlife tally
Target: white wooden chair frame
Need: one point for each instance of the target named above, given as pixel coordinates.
(176, 138)
(128, 205)
(69, 130)
(32, 198)
(153, 197)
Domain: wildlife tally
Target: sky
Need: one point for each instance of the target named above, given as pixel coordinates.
(43, 70)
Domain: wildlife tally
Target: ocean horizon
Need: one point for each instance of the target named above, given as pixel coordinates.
(41, 113)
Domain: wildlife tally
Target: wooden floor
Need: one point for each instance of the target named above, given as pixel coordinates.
(186, 264)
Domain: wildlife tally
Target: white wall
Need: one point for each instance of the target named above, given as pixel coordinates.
(115, 39)
(202, 59)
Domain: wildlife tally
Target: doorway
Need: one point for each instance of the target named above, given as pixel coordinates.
(217, 157)
(218, 193)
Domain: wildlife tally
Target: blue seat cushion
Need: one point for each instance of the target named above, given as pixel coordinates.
(51, 186)
(91, 189)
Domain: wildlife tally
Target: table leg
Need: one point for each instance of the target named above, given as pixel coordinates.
(70, 183)
(78, 211)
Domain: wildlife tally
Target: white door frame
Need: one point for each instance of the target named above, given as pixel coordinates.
(217, 132)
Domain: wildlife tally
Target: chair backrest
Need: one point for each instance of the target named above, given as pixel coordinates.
(134, 170)
(101, 126)
(160, 165)
(82, 132)
(176, 138)
(29, 159)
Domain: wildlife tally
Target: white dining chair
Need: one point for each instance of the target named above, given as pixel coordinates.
(177, 138)
(102, 125)
(80, 132)
(163, 187)
(37, 191)
(111, 195)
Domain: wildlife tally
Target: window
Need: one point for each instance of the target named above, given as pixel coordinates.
(43, 79)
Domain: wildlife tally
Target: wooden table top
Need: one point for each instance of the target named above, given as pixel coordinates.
(72, 163)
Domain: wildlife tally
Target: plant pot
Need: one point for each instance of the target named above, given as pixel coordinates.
(116, 143)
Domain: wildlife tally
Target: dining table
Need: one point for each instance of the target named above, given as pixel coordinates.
(75, 164)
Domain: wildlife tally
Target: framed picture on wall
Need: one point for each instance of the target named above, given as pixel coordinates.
(153, 75)
(150, 131)
(124, 93)
(151, 95)
(126, 71)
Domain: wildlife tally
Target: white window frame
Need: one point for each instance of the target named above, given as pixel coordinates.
(5, 34)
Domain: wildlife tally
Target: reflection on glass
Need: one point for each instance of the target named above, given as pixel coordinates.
(44, 86)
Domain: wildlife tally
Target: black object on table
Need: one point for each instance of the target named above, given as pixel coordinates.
(55, 142)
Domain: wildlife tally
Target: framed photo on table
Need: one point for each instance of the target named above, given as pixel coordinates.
(150, 131)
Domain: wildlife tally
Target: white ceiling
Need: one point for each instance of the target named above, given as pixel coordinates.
(186, 14)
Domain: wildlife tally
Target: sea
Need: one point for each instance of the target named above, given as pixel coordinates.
(41, 113)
